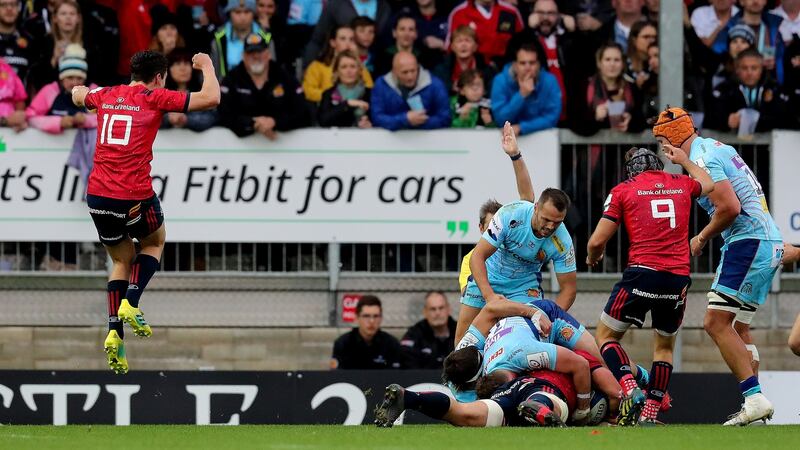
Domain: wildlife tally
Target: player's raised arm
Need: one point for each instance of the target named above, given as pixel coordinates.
(79, 95)
(523, 177)
(678, 156)
(209, 95)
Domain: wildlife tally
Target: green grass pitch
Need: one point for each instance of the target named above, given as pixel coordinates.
(83, 437)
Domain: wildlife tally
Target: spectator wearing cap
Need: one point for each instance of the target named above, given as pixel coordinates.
(709, 20)
(164, 30)
(318, 76)
(261, 97)
(463, 56)
(526, 94)
(67, 28)
(494, 22)
(228, 44)
(427, 343)
(740, 38)
(749, 89)
(52, 109)
(15, 45)
(12, 98)
(342, 12)
(408, 97)
(766, 27)
(366, 347)
(182, 78)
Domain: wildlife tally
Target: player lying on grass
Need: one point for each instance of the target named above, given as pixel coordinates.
(538, 398)
(654, 206)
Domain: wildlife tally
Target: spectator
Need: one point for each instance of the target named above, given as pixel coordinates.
(626, 13)
(265, 12)
(789, 11)
(182, 78)
(609, 85)
(526, 95)
(52, 109)
(709, 20)
(15, 45)
(463, 56)
(366, 346)
(494, 23)
(409, 97)
(470, 108)
(431, 31)
(301, 20)
(740, 38)
(228, 45)
(164, 30)
(364, 29)
(67, 28)
(342, 12)
(319, 74)
(134, 29)
(649, 90)
(766, 27)
(428, 342)
(261, 97)
(750, 89)
(589, 15)
(405, 36)
(271, 22)
(651, 10)
(570, 64)
(346, 104)
(12, 98)
(642, 35)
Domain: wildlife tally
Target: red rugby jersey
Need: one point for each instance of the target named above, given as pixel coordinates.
(655, 207)
(128, 118)
(493, 29)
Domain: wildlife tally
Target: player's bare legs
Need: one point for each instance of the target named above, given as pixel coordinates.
(719, 325)
(743, 330)
(794, 337)
(466, 315)
(122, 256)
(143, 268)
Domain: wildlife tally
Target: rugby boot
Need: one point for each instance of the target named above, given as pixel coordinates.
(538, 415)
(133, 317)
(391, 407)
(756, 407)
(115, 353)
(630, 408)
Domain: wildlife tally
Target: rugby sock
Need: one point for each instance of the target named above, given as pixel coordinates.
(642, 376)
(750, 386)
(657, 388)
(620, 365)
(144, 266)
(116, 291)
(433, 404)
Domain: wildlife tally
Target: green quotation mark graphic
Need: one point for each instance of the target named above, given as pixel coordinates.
(453, 226)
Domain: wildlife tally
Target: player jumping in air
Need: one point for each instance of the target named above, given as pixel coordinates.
(655, 208)
(120, 194)
(750, 257)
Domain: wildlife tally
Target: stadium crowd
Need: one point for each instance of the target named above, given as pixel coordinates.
(400, 64)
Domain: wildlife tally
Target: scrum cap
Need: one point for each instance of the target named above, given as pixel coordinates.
(675, 125)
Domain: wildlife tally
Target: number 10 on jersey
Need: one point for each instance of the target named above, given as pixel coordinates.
(106, 134)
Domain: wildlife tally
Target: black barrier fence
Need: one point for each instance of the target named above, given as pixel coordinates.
(86, 397)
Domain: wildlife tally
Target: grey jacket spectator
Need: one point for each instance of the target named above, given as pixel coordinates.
(366, 346)
(428, 342)
(342, 12)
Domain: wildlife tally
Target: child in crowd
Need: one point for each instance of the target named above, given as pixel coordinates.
(364, 28)
(470, 108)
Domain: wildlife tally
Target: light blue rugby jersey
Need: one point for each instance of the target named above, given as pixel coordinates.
(521, 255)
(723, 163)
(513, 344)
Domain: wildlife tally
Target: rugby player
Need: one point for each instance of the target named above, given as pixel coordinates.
(120, 194)
(655, 207)
(750, 256)
(508, 259)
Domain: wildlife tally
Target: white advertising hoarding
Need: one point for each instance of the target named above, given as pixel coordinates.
(312, 185)
(785, 200)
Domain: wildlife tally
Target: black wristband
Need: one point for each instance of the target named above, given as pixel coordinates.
(516, 157)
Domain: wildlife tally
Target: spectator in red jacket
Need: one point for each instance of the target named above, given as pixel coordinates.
(495, 22)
